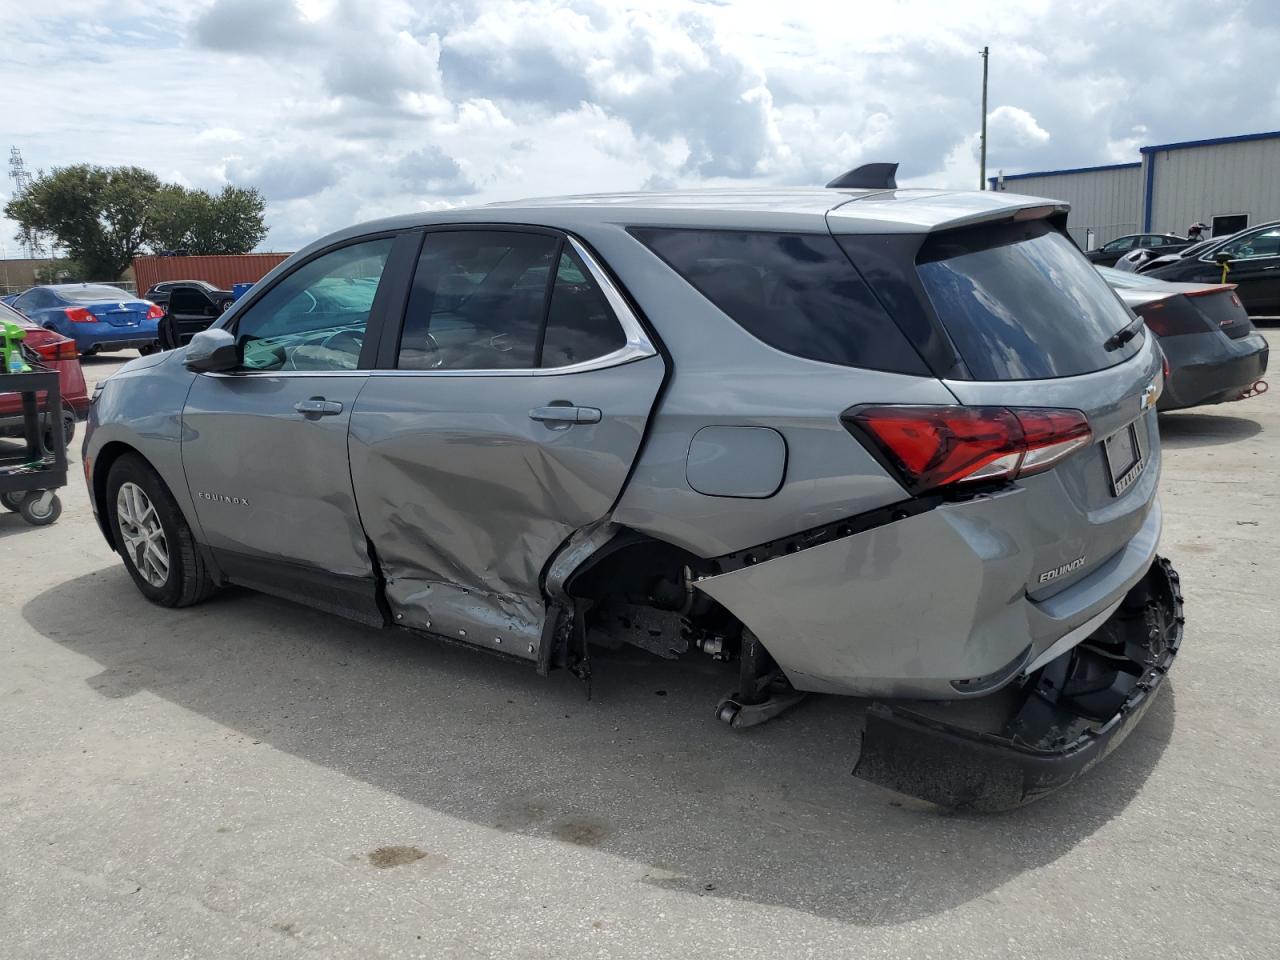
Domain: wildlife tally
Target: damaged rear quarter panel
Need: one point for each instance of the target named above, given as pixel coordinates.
(848, 617)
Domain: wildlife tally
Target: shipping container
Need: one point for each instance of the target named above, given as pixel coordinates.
(221, 271)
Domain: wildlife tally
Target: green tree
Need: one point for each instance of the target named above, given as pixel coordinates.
(197, 222)
(236, 223)
(104, 216)
(98, 214)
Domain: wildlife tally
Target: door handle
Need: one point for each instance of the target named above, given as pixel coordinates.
(565, 414)
(318, 407)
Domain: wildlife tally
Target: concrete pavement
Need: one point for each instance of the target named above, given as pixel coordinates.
(248, 778)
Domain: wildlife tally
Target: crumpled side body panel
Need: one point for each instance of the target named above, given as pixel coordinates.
(465, 497)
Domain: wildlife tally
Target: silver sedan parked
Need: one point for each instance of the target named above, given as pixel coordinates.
(895, 444)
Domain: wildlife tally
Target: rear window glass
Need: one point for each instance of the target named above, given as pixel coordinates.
(91, 294)
(1022, 303)
(797, 292)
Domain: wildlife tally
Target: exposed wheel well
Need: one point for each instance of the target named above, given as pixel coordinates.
(639, 590)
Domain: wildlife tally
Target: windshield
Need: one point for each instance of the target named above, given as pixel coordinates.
(1022, 303)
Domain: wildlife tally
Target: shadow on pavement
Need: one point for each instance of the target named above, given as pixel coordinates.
(1185, 428)
(643, 771)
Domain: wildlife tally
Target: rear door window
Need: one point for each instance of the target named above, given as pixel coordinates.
(489, 300)
(1021, 303)
(797, 292)
(477, 301)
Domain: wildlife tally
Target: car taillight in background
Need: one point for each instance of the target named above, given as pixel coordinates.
(60, 349)
(1173, 316)
(156, 312)
(932, 447)
(79, 315)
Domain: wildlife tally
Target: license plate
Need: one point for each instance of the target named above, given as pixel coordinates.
(1125, 457)
(123, 318)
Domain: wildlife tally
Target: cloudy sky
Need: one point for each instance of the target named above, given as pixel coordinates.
(343, 110)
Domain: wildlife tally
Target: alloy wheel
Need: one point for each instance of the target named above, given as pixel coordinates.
(143, 534)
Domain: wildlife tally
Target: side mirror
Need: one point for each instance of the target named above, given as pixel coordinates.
(1223, 257)
(212, 351)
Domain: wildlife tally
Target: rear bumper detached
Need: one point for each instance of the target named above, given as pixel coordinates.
(1047, 732)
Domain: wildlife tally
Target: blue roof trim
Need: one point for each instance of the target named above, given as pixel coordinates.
(1059, 173)
(1186, 144)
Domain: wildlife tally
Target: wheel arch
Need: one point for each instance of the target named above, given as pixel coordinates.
(103, 460)
(108, 455)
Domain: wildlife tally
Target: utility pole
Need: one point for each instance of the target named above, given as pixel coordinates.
(982, 165)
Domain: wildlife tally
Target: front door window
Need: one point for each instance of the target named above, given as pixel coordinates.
(315, 318)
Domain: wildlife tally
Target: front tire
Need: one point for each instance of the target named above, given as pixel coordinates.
(153, 537)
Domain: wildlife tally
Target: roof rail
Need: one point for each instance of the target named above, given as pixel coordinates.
(869, 176)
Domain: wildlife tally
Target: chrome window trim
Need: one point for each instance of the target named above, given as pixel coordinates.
(637, 347)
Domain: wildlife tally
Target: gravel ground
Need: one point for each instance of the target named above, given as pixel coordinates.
(249, 778)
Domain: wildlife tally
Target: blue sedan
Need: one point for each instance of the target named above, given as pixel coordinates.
(95, 316)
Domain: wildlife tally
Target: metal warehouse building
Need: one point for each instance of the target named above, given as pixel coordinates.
(1228, 183)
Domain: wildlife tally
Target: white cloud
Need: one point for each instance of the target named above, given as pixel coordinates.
(345, 109)
(1015, 126)
(219, 135)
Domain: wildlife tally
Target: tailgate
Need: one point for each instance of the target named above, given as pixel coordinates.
(1084, 510)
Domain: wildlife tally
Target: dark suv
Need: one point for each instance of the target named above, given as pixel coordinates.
(190, 306)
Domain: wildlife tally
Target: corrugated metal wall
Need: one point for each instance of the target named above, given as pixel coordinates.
(220, 271)
(1108, 201)
(1199, 183)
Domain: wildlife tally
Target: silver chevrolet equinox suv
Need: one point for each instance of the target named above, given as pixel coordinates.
(893, 444)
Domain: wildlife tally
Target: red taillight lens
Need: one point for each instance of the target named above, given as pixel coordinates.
(931, 447)
(79, 315)
(1173, 317)
(156, 312)
(60, 349)
(1050, 435)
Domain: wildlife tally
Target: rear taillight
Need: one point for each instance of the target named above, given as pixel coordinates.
(1172, 317)
(60, 349)
(79, 315)
(932, 447)
(155, 312)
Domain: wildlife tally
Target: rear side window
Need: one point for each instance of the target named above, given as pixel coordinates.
(490, 300)
(797, 292)
(94, 294)
(1021, 303)
(580, 322)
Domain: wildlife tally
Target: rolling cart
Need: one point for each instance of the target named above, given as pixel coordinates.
(30, 471)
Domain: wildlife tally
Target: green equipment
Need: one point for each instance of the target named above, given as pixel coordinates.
(12, 336)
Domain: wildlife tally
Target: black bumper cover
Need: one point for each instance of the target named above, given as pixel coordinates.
(1065, 718)
(1197, 380)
